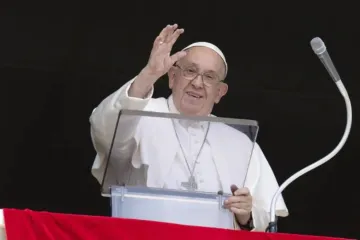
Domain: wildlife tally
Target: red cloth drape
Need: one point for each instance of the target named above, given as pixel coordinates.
(32, 225)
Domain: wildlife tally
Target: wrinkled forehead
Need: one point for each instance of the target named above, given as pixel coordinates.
(205, 59)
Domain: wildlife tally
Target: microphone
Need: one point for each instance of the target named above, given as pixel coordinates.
(319, 48)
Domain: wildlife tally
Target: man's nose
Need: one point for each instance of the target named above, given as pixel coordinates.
(198, 82)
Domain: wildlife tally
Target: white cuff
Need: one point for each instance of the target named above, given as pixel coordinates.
(124, 101)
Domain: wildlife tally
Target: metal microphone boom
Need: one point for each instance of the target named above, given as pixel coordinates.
(319, 48)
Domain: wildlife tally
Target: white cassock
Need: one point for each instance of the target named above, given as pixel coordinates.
(157, 160)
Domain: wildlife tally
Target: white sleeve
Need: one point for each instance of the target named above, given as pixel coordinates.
(103, 120)
(262, 183)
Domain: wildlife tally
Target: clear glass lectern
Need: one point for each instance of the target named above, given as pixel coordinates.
(175, 168)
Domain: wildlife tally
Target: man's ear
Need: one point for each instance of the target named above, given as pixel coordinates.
(171, 76)
(222, 90)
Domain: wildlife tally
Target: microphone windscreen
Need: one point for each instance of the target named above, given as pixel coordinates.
(318, 45)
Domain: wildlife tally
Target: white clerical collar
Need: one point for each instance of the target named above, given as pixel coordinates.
(173, 109)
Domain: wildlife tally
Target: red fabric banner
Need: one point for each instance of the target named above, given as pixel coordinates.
(32, 225)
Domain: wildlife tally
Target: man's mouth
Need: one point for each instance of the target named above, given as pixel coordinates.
(194, 95)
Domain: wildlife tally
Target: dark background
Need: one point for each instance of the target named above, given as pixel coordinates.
(58, 62)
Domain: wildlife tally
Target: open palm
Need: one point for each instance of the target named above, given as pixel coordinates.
(160, 60)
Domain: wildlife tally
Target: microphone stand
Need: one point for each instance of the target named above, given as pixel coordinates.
(273, 220)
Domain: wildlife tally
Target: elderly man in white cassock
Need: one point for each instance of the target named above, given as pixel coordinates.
(196, 77)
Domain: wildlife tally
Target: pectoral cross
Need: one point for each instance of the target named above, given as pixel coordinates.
(190, 185)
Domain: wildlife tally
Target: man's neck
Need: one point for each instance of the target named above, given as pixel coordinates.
(185, 123)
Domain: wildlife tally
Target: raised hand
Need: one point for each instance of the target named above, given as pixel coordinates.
(160, 60)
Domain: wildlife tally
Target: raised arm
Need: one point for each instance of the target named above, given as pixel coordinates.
(134, 95)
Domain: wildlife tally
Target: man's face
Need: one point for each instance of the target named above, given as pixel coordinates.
(195, 81)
